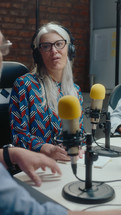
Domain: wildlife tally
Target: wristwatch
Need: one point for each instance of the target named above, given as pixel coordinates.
(11, 167)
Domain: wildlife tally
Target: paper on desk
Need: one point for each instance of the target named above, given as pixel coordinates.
(100, 163)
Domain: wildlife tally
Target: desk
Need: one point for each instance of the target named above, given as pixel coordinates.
(53, 184)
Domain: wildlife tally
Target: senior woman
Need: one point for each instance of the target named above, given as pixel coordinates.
(35, 96)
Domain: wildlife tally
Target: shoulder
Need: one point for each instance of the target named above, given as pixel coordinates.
(119, 104)
(26, 80)
(27, 77)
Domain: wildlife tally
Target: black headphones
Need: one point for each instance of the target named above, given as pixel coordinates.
(37, 56)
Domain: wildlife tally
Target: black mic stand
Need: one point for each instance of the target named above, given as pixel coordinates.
(88, 192)
(107, 149)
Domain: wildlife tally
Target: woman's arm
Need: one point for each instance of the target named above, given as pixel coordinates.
(20, 115)
(30, 124)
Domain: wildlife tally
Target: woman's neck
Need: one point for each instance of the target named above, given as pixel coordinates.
(56, 76)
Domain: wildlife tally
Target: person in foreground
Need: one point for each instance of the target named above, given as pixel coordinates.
(14, 199)
(115, 117)
(34, 98)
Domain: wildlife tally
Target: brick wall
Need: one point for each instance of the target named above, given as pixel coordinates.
(18, 23)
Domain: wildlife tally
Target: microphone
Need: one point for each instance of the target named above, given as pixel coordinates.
(97, 94)
(69, 110)
(80, 191)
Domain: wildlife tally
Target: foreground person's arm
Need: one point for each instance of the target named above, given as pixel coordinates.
(14, 199)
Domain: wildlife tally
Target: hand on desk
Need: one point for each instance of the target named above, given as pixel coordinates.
(58, 153)
(29, 161)
(55, 152)
(81, 153)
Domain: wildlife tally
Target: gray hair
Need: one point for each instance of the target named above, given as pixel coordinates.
(52, 27)
(67, 85)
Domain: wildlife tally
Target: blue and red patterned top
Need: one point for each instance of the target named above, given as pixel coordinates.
(32, 123)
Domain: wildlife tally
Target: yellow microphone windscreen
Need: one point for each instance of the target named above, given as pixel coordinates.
(97, 91)
(69, 107)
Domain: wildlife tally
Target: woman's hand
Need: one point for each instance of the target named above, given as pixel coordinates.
(81, 152)
(58, 153)
(55, 152)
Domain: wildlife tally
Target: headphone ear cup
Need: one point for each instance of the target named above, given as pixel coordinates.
(71, 46)
(37, 56)
(71, 51)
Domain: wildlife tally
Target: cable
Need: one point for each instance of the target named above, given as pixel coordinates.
(100, 182)
(101, 205)
(110, 150)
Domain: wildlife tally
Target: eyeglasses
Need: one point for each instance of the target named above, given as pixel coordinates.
(59, 44)
(4, 47)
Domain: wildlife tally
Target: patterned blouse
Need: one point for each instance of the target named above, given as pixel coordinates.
(32, 123)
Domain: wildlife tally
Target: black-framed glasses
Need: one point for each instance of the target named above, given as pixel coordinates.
(4, 47)
(59, 44)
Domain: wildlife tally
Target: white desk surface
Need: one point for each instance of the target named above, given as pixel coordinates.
(52, 185)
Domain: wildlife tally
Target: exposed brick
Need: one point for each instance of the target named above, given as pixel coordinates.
(18, 23)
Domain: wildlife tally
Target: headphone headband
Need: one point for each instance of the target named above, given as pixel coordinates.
(72, 39)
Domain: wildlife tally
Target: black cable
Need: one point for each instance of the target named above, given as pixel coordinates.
(100, 182)
(37, 15)
(74, 168)
(109, 150)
